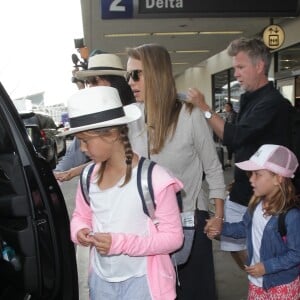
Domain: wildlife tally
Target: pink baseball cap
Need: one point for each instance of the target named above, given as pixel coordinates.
(277, 159)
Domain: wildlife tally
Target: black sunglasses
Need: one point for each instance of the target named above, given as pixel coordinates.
(134, 74)
(91, 80)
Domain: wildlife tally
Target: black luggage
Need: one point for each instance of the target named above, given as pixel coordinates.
(220, 152)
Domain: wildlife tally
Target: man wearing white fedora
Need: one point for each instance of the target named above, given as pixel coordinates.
(102, 64)
(103, 70)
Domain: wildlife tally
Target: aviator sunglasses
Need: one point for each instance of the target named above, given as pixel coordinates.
(134, 74)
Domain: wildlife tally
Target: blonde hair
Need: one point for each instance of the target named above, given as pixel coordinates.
(161, 105)
(122, 132)
(281, 201)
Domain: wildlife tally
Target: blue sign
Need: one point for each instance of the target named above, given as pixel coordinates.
(116, 9)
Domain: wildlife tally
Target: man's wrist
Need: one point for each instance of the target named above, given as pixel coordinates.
(206, 108)
(202, 106)
(208, 113)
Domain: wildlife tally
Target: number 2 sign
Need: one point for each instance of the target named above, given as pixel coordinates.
(116, 9)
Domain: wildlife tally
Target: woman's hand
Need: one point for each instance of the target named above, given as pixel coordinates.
(63, 176)
(213, 227)
(69, 174)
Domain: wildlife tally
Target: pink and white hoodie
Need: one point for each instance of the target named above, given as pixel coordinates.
(165, 236)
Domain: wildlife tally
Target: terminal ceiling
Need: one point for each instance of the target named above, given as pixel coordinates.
(97, 31)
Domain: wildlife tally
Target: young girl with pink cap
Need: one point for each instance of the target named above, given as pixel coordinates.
(273, 261)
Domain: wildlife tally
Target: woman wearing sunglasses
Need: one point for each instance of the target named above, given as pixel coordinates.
(176, 135)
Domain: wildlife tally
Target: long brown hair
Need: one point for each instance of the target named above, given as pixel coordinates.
(281, 201)
(161, 105)
(122, 131)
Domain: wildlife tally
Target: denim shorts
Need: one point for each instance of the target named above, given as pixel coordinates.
(135, 288)
(233, 212)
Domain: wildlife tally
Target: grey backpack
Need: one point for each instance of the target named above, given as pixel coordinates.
(145, 188)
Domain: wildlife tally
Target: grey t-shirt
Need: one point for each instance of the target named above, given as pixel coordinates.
(189, 153)
(73, 157)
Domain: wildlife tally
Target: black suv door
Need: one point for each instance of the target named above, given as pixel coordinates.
(37, 257)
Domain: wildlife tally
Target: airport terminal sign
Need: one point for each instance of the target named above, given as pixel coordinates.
(124, 9)
(116, 9)
(273, 36)
(220, 8)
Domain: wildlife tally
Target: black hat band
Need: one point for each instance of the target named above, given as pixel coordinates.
(105, 68)
(98, 117)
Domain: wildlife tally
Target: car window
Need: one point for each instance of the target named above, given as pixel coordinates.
(5, 142)
(16, 231)
(43, 121)
(5, 148)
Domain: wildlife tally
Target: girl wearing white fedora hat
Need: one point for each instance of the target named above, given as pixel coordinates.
(129, 252)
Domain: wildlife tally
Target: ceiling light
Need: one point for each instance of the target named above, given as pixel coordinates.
(127, 34)
(292, 49)
(180, 63)
(192, 51)
(220, 32)
(288, 60)
(176, 33)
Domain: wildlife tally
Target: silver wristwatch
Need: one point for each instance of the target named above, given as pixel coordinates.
(207, 114)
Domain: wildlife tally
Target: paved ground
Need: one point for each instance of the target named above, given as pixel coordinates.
(231, 281)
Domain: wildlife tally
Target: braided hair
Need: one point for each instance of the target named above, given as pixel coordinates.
(123, 137)
(128, 152)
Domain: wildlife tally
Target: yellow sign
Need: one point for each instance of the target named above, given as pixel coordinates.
(273, 36)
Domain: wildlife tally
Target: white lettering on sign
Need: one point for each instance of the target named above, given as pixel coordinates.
(114, 6)
(164, 3)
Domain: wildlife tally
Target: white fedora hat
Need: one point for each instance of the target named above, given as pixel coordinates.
(98, 107)
(102, 64)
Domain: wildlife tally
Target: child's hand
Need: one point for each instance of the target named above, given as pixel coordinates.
(256, 270)
(84, 238)
(102, 242)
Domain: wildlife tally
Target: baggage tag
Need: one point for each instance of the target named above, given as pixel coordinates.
(188, 219)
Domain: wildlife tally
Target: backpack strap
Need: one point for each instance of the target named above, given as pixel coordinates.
(281, 222)
(144, 184)
(145, 188)
(85, 178)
